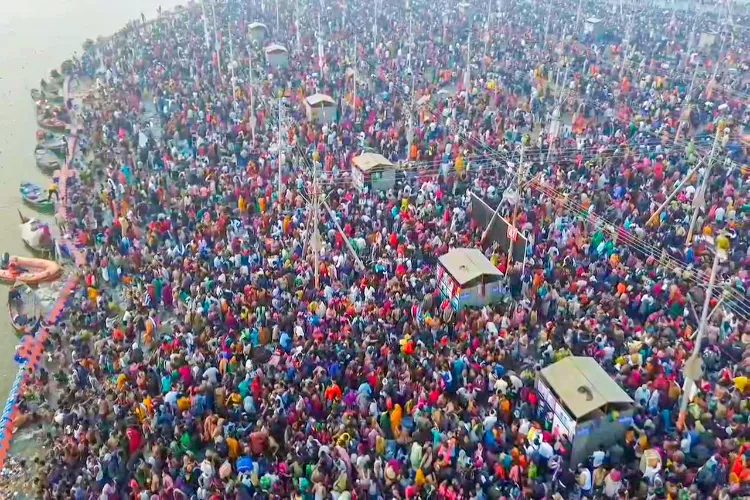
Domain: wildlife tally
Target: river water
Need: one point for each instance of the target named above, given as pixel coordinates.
(36, 36)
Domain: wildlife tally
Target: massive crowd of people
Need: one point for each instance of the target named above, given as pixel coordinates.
(204, 357)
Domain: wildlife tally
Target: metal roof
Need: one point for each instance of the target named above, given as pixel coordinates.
(370, 161)
(583, 385)
(316, 99)
(275, 47)
(466, 264)
(253, 26)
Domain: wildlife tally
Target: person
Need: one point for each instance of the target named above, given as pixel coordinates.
(341, 366)
(52, 190)
(585, 481)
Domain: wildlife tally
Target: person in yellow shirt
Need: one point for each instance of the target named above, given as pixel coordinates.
(233, 448)
(122, 379)
(183, 404)
(740, 383)
(53, 191)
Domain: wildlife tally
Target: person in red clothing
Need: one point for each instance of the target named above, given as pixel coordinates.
(333, 392)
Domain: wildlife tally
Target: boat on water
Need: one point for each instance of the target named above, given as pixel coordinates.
(47, 160)
(46, 96)
(28, 270)
(52, 123)
(54, 84)
(37, 235)
(36, 197)
(57, 143)
(23, 308)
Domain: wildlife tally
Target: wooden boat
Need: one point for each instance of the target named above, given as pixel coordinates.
(57, 143)
(28, 270)
(46, 96)
(23, 308)
(53, 85)
(36, 197)
(47, 160)
(52, 123)
(37, 235)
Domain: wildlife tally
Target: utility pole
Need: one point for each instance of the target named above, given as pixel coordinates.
(689, 106)
(700, 195)
(546, 25)
(296, 24)
(690, 42)
(321, 54)
(375, 25)
(316, 221)
(578, 12)
(232, 64)
(692, 369)
(489, 19)
(519, 174)
(348, 243)
(557, 114)
(718, 60)
(676, 190)
(205, 24)
(216, 41)
(626, 48)
(253, 119)
(278, 22)
(356, 70)
(467, 77)
(281, 138)
(410, 129)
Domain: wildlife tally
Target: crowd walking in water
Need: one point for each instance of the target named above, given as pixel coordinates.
(253, 322)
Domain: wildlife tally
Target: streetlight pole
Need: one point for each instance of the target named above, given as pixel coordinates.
(688, 104)
(281, 185)
(216, 41)
(205, 23)
(700, 196)
(674, 193)
(231, 63)
(467, 78)
(356, 70)
(692, 364)
(525, 140)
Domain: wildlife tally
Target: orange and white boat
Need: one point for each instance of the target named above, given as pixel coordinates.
(28, 270)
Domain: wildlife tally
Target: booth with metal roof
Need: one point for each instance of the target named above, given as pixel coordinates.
(256, 31)
(320, 108)
(466, 277)
(593, 26)
(373, 170)
(276, 55)
(580, 400)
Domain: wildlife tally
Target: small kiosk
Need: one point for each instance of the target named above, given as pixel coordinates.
(257, 31)
(374, 171)
(277, 55)
(467, 278)
(593, 26)
(707, 39)
(578, 399)
(320, 108)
